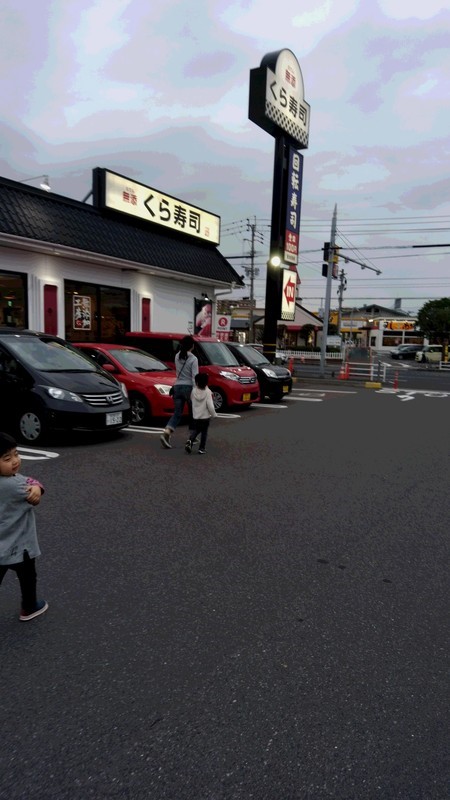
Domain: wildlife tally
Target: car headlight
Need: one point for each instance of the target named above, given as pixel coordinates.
(163, 388)
(124, 390)
(269, 372)
(62, 394)
(230, 375)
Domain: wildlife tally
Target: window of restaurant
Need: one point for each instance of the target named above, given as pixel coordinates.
(13, 300)
(95, 313)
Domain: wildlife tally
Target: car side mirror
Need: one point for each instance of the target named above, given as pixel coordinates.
(109, 368)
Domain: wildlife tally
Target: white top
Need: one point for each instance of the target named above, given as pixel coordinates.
(202, 403)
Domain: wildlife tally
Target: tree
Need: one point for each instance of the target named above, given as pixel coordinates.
(433, 320)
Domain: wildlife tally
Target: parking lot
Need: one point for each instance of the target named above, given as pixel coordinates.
(268, 621)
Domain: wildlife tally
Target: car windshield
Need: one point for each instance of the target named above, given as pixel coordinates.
(138, 361)
(218, 353)
(252, 355)
(48, 355)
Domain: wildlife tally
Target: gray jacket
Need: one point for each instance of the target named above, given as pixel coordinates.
(17, 521)
(186, 370)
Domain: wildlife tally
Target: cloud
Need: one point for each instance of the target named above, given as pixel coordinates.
(413, 9)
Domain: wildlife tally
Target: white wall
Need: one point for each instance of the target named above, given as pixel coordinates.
(172, 299)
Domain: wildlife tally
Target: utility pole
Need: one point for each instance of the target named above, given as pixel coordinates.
(326, 313)
(251, 226)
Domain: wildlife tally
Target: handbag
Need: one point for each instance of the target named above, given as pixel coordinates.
(172, 388)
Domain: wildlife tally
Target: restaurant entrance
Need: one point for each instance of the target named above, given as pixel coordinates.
(95, 313)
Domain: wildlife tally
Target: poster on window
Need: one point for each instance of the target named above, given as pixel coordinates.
(202, 317)
(82, 315)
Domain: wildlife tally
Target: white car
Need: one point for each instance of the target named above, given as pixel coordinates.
(430, 353)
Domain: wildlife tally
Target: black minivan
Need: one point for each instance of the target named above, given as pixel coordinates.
(48, 385)
(274, 381)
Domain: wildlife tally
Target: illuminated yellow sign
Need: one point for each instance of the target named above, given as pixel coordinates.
(151, 205)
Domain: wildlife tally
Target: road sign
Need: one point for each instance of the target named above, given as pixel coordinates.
(288, 294)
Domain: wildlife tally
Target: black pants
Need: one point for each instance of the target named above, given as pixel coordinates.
(199, 426)
(26, 573)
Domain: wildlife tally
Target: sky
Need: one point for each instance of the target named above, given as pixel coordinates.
(157, 90)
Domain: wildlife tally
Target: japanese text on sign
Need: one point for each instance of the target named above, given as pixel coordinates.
(293, 204)
(149, 204)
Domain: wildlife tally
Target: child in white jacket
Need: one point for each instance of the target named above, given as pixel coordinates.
(202, 411)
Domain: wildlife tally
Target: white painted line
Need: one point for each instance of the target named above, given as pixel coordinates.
(307, 399)
(149, 429)
(268, 405)
(40, 455)
(303, 394)
(409, 394)
(326, 391)
(144, 429)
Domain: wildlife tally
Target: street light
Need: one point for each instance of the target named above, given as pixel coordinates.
(45, 185)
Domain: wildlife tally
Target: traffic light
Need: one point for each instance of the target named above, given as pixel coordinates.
(326, 256)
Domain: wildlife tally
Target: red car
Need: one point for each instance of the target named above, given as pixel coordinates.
(147, 379)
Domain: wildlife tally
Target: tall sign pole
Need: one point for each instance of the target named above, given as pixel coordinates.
(277, 104)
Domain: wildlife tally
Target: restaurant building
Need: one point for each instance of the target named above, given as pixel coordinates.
(136, 259)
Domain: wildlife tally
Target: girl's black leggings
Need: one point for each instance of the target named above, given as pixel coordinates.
(26, 573)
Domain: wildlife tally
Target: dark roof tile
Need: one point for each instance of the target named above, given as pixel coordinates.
(28, 212)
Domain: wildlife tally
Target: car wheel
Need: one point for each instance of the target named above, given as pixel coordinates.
(140, 409)
(276, 397)
(31, 426)
(219, 399)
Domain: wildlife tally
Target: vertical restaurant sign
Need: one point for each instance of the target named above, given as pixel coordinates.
(276, 102)
(82, 313)
(130, 197)
(293, 206)
(223, 324)
(288, 290)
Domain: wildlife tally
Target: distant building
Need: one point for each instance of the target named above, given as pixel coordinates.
(377, 326)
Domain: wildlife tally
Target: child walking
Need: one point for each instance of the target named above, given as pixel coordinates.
(202, 411)
(18, 540)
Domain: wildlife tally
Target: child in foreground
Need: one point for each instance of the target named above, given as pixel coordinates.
(202, 411)
(18, 539)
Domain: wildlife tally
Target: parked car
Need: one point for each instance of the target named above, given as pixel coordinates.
(274, 381)
(47, 385)
(147, 379)
(430, 353)
(231, 384)
(280, 356)
(406, 351)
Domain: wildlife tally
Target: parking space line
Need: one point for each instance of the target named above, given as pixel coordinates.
(29, 454)
(268, 405)
(306, 399)
(326, 391)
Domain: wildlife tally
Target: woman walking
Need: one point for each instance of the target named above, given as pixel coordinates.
(186, 365)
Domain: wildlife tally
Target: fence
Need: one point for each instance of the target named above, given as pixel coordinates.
(445, 365)
(374, 371)
(307, 355)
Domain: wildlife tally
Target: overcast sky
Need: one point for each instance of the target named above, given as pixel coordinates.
(158, 90)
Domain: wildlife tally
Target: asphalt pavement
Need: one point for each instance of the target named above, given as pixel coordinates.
(268, 621)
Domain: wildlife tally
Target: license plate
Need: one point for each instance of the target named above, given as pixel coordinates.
(246, 398)
(114, 419)
(285, 389)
